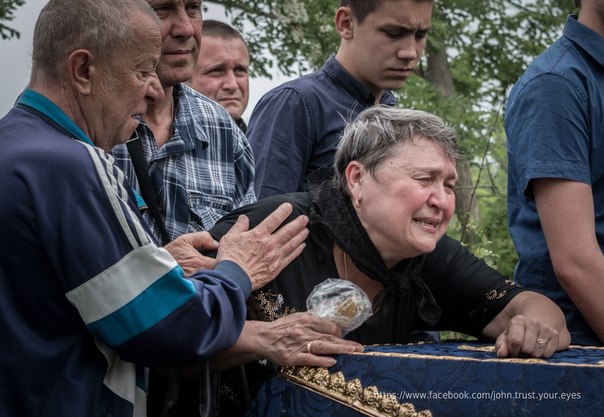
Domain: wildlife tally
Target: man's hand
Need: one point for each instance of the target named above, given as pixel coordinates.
(296, 339)
(264, 251)
(302, 339)
(185, 249)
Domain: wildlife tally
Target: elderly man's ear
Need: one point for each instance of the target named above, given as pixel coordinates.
(82, 69)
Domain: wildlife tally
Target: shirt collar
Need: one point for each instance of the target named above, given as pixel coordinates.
(46, 109)
(357, 89)
(49, 111)
(590, 41)
(184, 123)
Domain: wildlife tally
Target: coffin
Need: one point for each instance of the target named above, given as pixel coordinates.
(440, 379)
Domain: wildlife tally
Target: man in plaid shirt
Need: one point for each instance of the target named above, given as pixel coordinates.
(199, 161)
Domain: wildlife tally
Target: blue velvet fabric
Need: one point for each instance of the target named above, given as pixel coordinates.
(452, 379)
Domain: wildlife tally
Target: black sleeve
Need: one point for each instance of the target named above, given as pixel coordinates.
(470, 292)
(259, 211)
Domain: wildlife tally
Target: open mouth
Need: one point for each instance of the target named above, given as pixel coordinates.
(427, 222)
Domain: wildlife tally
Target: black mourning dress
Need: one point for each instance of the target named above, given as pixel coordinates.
(447, 289)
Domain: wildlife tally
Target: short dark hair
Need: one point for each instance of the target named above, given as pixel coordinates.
(220, 29)
(578, 4)
(362, 8)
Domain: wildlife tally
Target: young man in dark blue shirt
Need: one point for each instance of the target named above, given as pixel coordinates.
(295, 128)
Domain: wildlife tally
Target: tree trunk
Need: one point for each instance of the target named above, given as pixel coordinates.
(439, 74)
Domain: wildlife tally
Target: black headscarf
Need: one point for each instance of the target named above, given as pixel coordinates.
(331, 207)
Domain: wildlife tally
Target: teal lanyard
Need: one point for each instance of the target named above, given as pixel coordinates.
(47, 110)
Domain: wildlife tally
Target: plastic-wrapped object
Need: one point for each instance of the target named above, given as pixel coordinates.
(340, 301)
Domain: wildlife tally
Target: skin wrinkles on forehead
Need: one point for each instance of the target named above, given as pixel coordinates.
(407, 23)
(411, 171)
(407, 26)
(425, 169)
(172, 5)
(145, 58)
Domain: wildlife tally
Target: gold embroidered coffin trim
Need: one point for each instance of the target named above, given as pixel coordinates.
(368, 401)
(491, 348)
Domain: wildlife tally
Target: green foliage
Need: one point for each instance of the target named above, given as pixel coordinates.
(293, 35)
(447, 336)
(7, 8)
(488, 44)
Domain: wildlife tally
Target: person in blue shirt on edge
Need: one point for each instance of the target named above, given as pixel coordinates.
(555, 127)
(87, 297)
(296, 127)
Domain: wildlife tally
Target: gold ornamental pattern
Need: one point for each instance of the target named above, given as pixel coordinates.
(366, 400)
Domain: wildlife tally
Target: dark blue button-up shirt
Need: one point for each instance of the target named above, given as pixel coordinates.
(295, 128)
(555, 129)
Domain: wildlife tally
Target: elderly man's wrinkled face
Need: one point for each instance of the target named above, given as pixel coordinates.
(406, 206)
(222, 73)
(126, 86)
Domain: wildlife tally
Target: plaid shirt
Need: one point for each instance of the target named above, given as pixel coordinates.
(203, 172)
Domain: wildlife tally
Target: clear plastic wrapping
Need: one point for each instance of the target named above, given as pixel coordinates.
(340, 301)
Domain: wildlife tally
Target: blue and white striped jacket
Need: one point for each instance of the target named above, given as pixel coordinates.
(86, 297)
